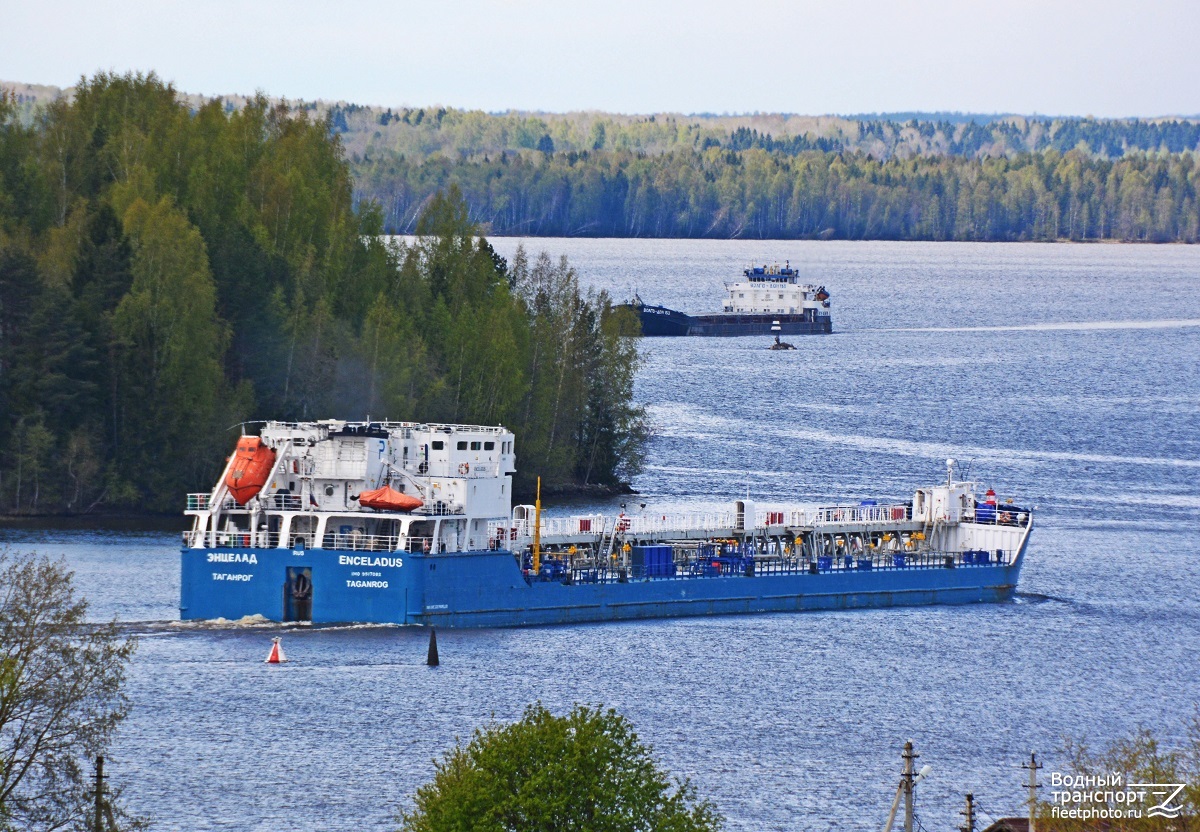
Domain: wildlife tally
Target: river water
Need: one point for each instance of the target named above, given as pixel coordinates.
(1065, 376)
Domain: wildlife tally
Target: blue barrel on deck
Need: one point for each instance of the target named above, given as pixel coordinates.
(899, 560)
(825, 564)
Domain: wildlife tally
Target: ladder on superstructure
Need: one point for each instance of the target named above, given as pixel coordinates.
(620, 524)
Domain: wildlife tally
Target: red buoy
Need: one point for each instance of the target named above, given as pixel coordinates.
(276, 656)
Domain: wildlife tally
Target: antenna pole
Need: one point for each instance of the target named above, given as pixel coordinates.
(1033, 765)
(537, 529)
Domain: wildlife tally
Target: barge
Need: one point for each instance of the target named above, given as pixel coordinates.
(411, 523)
(768, 300)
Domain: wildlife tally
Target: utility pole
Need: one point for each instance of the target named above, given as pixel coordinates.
(99, 821)
(969, 814)
(905, 789)
(1033, 765)
(909, 755)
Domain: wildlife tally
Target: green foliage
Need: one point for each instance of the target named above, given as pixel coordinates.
(460, 335)
(773, 194)
(578, 416)
(1140, 757)
(61, 696)
(170, 345)
(584, 771)
(892, 176)
(167, 271)
(906, 176)
(901, 135)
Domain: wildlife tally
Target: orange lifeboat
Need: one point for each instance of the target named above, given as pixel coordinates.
(388, 499)
(252, 464)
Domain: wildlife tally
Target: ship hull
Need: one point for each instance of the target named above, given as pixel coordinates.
(487, 589)
(658, 321)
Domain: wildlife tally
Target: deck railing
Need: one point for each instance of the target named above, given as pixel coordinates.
(762, 567)
(358, 542)
(651, 525)
(999, 516)
(202, 501)
(833, 515)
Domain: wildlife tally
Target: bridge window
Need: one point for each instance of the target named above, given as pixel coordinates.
(439, 445)
(462, 446)
(489, 446)
(475, 446)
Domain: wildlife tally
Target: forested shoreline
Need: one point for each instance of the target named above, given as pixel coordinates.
(902, 176)
(761, 194)
(167, 272)
(763, 176)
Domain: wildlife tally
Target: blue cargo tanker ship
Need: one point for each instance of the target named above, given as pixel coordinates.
(408, 523)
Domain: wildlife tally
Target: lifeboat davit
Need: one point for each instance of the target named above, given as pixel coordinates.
(252, 464)
(388, 499)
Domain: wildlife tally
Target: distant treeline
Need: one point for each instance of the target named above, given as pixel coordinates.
(906, 176)
(779, 176)
(775, 193)
(167, 272)
(417, 133)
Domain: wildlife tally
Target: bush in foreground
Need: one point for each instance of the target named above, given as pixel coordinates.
(583, 771)
(61, 697)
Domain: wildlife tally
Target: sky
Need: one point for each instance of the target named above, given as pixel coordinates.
(1051, 57)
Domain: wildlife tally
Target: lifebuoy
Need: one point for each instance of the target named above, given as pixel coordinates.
(464, 468)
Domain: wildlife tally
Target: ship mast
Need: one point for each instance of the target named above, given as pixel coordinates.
(537, 529)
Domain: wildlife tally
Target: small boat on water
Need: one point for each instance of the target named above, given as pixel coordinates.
(411, 523)
(767, 296)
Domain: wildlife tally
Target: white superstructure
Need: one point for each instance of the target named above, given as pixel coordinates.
(460, 474)
(775, 290)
